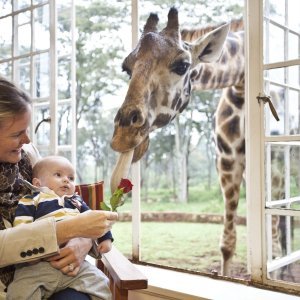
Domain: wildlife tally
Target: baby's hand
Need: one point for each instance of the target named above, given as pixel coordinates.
(104, 246)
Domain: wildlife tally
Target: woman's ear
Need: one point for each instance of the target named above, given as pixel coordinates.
(36, 182)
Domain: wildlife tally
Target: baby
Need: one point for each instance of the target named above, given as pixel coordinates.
(54, 196)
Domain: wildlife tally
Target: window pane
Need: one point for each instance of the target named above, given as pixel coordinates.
(64, 78)
(23, 33)
(43, 132)
(282, 175)
(283, 86)
(19, 4)
(23, 73)
(293, 12)
(284, 263)
(41, 28)
(275, 40)
(277, 11)
(64, 124)
(64, 34)
(5, 38)
(42, 81)
(5, 69)
(294, 42)
(5, 8)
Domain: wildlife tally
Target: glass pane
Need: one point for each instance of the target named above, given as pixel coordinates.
(283, 239)
(5, 8)
(283, 86)
(43, 131)
(6, 70)
(294, 42)
(282, 167)
(293, 75)
(6, 38)
(277, 11)
(18, 4)
(295, 175)
(294, 109)
(41, 28)
(23, 69)
(23, 33)
(42, 80)
(39, 1)
(293, 12)
(274, 127)
(64, 34)
(64, 78)
(275, 40)
(64, 124)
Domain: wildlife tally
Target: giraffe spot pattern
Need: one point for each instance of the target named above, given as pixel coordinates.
(227, 164)
(226, 253)
(185, 104)
(241, 149)
(225, 112)
(222, 145)
(227, 178)
(162, 120)
(235, 99)
(232, 128)
(206, 76)
(175, 101)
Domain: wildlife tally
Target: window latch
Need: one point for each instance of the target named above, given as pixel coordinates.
(48, 120)
(267, 99)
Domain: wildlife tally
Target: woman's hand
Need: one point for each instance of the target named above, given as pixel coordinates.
(90, 224)
(71, 256)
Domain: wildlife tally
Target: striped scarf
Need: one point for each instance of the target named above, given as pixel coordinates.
(11, 190)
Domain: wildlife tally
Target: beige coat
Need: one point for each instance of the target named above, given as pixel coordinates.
(27, 242)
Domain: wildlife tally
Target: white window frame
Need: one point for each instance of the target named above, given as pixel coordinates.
(52, 100)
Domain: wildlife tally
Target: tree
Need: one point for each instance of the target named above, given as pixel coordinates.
(98, 78)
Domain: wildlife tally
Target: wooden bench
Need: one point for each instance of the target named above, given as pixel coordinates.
(123, 275)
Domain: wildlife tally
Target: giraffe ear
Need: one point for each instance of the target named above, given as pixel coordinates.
(209, 47)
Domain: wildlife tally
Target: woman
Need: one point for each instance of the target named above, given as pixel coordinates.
(66, 243)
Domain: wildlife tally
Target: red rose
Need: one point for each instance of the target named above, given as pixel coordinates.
(126, 185)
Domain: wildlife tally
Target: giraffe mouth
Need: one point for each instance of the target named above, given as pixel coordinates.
(139, 144)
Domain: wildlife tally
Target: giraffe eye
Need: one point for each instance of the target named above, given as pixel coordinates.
(180, 67)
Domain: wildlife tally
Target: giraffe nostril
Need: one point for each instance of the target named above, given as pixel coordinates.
(134, 118)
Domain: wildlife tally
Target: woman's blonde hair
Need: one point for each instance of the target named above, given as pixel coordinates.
(13, 101)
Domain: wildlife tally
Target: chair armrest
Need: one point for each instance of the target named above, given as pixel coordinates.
(124, 274)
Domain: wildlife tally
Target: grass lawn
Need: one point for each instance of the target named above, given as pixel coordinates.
(190, 246)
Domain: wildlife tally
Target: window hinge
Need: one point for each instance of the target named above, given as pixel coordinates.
(267, 99)
(48, 120)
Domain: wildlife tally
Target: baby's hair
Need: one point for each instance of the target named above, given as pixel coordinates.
(43, 162)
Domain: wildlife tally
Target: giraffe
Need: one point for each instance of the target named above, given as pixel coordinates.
(165, 67)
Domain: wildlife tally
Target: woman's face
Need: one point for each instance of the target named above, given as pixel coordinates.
(13, 135)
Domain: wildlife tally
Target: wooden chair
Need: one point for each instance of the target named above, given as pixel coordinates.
(123, 275)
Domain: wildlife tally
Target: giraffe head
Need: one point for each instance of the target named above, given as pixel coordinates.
(160, 84)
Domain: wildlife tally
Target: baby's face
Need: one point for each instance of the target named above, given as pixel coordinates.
(59, 176)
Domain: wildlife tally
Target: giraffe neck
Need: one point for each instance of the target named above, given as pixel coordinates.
(227, 71)
(192, 34)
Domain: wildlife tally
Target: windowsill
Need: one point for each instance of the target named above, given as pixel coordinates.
(176, 285)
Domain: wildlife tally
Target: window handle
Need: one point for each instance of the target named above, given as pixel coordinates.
(267, 99)
(48, 120)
